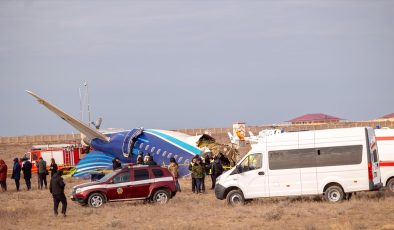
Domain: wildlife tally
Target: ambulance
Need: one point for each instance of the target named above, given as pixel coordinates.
(385, 140)
(334, 163)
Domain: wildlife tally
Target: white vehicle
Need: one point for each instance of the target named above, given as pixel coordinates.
(334, 162)
(385, 140)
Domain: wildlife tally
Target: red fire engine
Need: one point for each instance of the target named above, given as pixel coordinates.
(65, 155)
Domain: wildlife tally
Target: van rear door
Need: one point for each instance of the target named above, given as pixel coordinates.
(373, 160)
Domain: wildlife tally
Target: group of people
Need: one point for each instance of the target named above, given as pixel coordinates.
(25, 166)
(56, 186)
(202, 167)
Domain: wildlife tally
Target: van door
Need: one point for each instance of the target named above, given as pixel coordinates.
(373, 160)
(252, 177)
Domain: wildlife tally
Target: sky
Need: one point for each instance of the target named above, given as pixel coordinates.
(194, 64)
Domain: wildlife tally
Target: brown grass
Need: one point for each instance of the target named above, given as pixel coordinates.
(33, 210)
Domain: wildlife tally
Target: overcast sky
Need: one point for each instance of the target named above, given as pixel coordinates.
(186, 64)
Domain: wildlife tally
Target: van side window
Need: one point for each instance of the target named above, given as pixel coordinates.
(375, 156)
(122, 177)
(252, 162)
(315, 157)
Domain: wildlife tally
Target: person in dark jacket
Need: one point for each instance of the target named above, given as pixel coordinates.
(116, 164)
(56, 187)
(42, 173)
(53, 167)
(150, 161)
(16, 173)
(3, 175)
(140, 159)
(217, 170)
(26, 168)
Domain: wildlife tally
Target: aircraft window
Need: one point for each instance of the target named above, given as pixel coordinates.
(164, 153)
(180, 159)
(176, 156)
(169, 155)
(147, 147)
(153, 149)
(141, 145)
(158, 151)
(186, 161)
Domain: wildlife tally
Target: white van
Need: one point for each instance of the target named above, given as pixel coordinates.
(334, 162)
(385, 140)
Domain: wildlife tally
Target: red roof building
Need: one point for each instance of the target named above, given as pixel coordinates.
(315, 118)
(388, 116)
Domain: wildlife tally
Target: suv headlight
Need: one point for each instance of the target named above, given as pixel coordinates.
(78, 190)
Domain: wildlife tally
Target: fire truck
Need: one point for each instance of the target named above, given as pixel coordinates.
(66, 155)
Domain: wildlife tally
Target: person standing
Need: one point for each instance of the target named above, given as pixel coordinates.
(191, 170)
(174, 170)
(26, 168)
(198, 174)
(3, 175)
(53, 167)
(150, 161)
(16, 173)
(42, 173)
(217, 170)
(56, 188)
(116, 164)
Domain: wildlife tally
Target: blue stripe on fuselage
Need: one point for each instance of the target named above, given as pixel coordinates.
(176, 141)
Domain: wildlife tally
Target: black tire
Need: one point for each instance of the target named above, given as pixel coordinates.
(235, 198)
(161, 196)
(390, 185)
(96, 200)
(334, 194)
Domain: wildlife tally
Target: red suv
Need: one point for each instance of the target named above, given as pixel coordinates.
(139, 182)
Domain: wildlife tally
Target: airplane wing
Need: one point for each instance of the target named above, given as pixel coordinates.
(89, 132)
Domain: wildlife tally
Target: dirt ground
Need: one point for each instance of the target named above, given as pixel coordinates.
(33, 210)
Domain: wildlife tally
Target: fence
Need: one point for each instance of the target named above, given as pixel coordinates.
(218, 133)
(40, 139)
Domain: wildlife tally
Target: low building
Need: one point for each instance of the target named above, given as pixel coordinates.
(388, 117)
(314, 118)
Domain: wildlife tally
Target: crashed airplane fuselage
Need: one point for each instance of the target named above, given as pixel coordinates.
(162, 145)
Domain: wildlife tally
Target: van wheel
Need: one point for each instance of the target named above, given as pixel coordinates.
(235, 197)
(161, 196)
(96, 200)
(390, 185)
(334, 194)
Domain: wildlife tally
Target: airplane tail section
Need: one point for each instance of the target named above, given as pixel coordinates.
(87, 131)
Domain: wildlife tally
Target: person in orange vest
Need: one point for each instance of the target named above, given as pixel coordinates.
(3, 175)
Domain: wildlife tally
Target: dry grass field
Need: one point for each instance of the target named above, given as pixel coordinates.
(33, 210)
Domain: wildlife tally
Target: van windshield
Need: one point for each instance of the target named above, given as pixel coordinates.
(252, 162)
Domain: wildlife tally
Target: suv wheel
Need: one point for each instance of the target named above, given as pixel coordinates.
(334, 194)
(161, 196)
(235, 197)
(96, 200)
